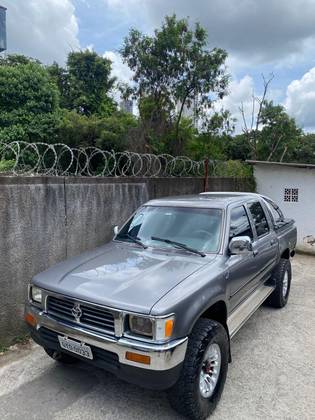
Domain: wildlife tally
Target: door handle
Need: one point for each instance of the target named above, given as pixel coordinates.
(272, 242)
(255, 252)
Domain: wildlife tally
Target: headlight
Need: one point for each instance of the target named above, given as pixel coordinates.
(36, 294)
(140, 325)
(159, 329)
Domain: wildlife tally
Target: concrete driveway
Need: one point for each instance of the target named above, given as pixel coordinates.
(272, 375)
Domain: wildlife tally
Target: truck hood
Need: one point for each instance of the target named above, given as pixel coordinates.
(120, 275)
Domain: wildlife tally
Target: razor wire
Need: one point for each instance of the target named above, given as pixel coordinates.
(61, 160)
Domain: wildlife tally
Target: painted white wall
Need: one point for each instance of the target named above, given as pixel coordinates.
(271, 180)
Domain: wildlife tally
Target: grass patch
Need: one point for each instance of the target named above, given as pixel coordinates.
(20, 339)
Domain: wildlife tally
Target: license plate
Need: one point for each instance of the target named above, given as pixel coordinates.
(75, 347)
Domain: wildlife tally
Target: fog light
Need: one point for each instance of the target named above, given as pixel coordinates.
(139, 358)
(30, 319)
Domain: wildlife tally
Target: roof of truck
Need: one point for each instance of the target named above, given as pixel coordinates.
(208, 199)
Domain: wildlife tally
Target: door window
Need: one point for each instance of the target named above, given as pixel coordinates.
(259, 218)
(239, 224)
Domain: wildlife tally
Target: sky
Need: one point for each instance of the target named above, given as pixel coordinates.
(260, 36)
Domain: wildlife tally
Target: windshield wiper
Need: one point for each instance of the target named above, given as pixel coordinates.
(179, 245)
(133, 239)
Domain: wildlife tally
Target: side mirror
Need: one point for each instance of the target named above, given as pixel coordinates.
(116, 230)
(240, 245)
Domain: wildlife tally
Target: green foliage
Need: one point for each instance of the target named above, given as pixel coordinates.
(233, 168)
(110, 133)
(29, 107)
(6, 165)
(175, 69)
(237, 147)
(212, 140)
(85, 83)
(279, 134)
(16, 60)
(304, 150)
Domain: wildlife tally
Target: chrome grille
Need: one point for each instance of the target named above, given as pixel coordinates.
(91, 316)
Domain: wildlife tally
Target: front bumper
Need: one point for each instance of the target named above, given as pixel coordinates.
(165, 359)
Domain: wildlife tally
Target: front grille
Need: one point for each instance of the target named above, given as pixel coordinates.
(91, 316)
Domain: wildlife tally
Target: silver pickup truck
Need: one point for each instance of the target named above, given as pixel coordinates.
(158, 305)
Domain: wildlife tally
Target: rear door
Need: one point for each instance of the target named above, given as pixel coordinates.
(242, 269)
(265, 244)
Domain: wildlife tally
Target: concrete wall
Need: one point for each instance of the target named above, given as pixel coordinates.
(271, 180)
(45, 219)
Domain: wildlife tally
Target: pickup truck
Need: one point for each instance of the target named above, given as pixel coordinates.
(159, 304)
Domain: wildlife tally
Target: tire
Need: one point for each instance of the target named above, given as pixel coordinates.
(186, 395)
(58, 356)
(281, 278)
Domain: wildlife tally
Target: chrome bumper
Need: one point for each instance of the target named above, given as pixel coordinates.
(163, 356)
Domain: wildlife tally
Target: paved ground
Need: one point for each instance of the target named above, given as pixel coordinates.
(272, 375)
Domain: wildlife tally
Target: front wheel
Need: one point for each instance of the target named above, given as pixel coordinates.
(201, 382)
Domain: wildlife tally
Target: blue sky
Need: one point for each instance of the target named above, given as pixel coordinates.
(260, 36)
(104, 28)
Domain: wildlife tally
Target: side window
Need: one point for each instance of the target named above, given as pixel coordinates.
(259, 218)
(239, 224)
(274, 210)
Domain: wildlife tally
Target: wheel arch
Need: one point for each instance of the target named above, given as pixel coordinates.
(287, 253)
(217, 311)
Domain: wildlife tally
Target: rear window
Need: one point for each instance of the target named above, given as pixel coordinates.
(259, 218)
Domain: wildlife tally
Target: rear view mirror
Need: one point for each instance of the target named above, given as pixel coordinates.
(116, 230)
(240, 245)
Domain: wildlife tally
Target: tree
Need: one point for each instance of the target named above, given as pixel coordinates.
(279, 133)
(269, 132)
(237, 147)
(175, 69)
(111, 133)
(304, 150)
(29, 103)
(85, 83)
(251, 128)
(210, 143)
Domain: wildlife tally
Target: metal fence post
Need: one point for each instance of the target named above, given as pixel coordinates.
(205, 184)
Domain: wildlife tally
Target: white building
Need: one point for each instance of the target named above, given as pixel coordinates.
(292, 187)
(126, 105)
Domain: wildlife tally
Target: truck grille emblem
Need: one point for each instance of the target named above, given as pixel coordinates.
(76, 312)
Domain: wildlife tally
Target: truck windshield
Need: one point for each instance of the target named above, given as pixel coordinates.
(196, 228)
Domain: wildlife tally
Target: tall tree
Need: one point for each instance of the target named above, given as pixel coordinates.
(29, 101)
(175, 68)
(269, 131)
(85, 83)
(279, 134)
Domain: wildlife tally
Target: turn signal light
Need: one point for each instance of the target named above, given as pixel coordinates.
(169, 327)
(30, 319)
(139, 358)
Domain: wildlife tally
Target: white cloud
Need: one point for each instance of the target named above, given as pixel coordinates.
(240, 92)
(43, 29)
(254, 31)
(300, 100)
(119, 69)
